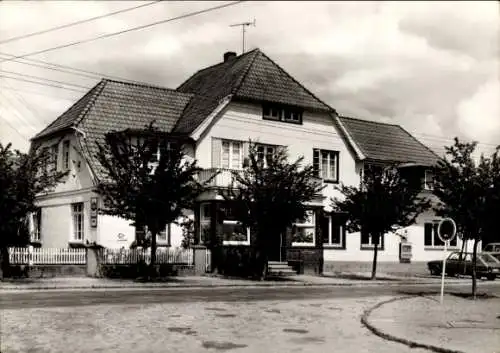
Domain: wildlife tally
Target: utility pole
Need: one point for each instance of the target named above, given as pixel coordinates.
(243, 25)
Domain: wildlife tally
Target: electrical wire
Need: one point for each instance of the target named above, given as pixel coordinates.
(24, 36)
(189, 14)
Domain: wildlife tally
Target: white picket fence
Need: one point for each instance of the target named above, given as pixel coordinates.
(47, 256)
(179, 256)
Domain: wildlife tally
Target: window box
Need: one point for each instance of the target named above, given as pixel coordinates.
(326, 165)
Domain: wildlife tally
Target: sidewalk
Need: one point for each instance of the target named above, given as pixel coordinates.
(459, 325)
(208, 281)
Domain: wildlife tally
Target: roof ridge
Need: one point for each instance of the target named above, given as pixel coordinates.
(368, 121)
(237, 86)
(90, 103)
(213, 66)
(145, 85)
(297, 82)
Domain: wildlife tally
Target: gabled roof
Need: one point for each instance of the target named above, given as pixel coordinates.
(113, 105)
(382, 142)
(250, 76)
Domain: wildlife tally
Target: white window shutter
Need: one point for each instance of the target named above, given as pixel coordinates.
(216, 152)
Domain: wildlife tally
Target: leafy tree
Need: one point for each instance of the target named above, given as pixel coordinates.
(469, 193)
(384, 202)
(269, 196)
(147, 179)
(22, 178)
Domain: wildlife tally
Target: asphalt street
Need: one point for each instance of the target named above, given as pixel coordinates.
(73, 298)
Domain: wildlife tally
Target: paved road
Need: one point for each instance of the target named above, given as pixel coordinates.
(72, 298)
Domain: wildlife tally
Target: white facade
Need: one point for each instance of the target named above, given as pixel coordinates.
(66, 211)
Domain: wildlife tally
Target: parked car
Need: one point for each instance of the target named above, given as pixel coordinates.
(461, 263)
(493, 249)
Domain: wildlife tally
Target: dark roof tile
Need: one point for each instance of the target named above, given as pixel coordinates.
(387, 142)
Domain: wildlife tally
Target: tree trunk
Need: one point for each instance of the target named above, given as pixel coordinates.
(374, 265)
(462, 253)
(4, 261)
(474, 279)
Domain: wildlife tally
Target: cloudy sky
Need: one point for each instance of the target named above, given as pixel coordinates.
(431, 67)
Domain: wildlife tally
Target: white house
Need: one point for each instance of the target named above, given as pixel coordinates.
(218, 110)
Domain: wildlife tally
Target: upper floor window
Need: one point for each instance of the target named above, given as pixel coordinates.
(232, 154)
(265, 153)
(282, 113)
(326, 165)
(50, 157)
(65, 155)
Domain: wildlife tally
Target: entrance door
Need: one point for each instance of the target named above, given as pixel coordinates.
(277, 248)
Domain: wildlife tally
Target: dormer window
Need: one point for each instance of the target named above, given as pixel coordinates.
(282, 113)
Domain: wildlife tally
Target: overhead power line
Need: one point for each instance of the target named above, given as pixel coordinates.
(42, 83)
(14, 128)
(189, 14)
(44, 79)
(24, 36)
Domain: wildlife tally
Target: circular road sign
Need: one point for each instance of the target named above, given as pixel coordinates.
(447, 229)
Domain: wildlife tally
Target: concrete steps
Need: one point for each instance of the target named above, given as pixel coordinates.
(279, 269)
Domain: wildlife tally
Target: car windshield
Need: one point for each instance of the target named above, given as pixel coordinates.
(489, 259)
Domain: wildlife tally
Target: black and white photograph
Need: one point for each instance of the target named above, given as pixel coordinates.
(249, 176)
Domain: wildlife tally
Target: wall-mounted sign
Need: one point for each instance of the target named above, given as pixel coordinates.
(121, 237)
(93, 211)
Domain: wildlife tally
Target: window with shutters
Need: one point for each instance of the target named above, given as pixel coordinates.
(326, 165)
(231, 154)
(431, 238)
(265, 153)
(368, 241)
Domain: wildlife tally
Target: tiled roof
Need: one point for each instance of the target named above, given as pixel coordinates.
(387, 142)
(113, 105)
(250, 76)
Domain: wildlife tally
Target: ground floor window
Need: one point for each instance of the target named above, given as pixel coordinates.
(367, 241)
(205, 223)
(333, 232)
(37, 225)
(142, 233)
(77, 213)
(233, 232)
(304, 230)
(431, 238)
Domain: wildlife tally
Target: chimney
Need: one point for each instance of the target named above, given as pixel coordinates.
(229, 55)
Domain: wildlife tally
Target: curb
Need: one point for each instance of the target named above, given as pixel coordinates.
(389, 337)
(195, 286)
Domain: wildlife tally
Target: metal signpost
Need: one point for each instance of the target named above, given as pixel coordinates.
(447, 230)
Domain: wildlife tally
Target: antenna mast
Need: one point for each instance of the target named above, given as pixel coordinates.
(243, 25)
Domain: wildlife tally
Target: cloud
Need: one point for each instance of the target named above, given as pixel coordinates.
(428, 67)
(479, 116)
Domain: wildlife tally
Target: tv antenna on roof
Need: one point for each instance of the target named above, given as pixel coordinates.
(243, 25)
